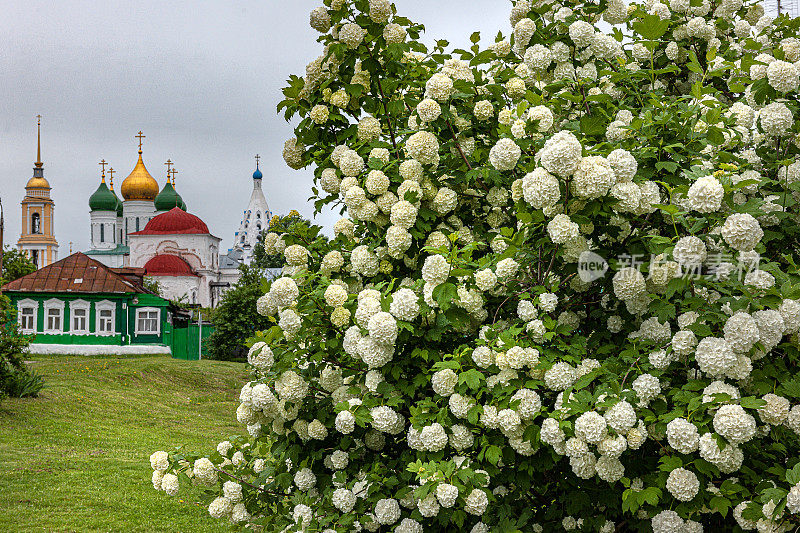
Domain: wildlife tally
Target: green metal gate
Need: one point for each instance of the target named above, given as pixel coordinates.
(187, 342)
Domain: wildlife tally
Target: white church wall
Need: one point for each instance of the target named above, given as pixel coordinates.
(110, 260)
(135, 216)
(105, 238)
(179, 288)
(200, 251)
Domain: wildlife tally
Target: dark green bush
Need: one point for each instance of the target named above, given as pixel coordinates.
(15, 378)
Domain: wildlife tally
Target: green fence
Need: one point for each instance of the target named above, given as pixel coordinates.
(185, 340)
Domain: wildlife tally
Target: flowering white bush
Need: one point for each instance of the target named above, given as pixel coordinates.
(445, 363)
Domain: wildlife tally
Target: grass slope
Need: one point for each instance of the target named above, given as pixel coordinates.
(76, 457)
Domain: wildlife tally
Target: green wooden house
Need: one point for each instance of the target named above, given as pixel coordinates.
(80, 306)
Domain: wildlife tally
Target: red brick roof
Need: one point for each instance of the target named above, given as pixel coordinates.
(77, 273)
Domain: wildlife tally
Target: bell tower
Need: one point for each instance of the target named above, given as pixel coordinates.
(37, 240)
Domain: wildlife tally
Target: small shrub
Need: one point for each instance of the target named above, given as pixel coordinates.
(23, 383)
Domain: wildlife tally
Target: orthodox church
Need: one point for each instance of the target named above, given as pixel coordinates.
(152, 229)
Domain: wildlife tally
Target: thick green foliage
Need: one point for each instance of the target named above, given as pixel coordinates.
(15, 379)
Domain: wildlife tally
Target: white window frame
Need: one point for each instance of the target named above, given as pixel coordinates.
(105, 305)
(27, 303)
(82, 305)
(142, 310)
(54, 303)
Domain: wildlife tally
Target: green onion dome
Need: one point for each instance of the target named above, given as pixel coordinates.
(103, 199)
(168, 198)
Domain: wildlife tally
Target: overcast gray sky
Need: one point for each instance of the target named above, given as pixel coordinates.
(201, 79)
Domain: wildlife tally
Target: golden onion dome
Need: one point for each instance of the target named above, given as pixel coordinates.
(139, 185)
(37, 182)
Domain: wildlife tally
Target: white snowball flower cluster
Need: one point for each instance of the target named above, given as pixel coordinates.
(624, 164)
(439, 87)
(690, 251)
(742, 232)
(593, 177)
(561, 154)
(429, 110)
(562, 230)
(444, 382)
(783, 76)
(629, 283)
(775, 411)
(682, 435)
(683, 484)
(541, 189)
(646, 387)
(542, 116)
(352, 34)
(435, 270)
(705, 195)
(734, 423)
(505, 154)
(775, 119)
(446, 494)
(714, 356)
(423, 147)
(343, 499)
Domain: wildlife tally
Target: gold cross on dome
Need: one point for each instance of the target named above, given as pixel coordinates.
(140, 137)
(111, 176)
(103, 164)
(173, 172)
(257, 158)
(169, 164)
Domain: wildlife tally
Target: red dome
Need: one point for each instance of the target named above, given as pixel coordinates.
(174, 221)
(168, 265)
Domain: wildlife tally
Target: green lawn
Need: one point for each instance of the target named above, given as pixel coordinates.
(76, 457)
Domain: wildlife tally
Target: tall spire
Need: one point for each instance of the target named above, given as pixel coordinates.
(39, 141)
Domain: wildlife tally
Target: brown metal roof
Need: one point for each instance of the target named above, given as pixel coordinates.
(77, 273)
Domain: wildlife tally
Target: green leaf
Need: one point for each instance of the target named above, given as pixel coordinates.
(669, 166)
(458, 317)
(651, 495)
(493, 454)
(715, 136)
(584, 381)
(720, 504)
(751, 402)
(670, 463)
(651, 27)
(445, 294)
(592, 125)
(670, 209)
(472, 378)
(791, 388)
(694, 64)
(446, 364)
(793, 475)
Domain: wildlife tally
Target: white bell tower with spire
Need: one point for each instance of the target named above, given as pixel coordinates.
(255, 219)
